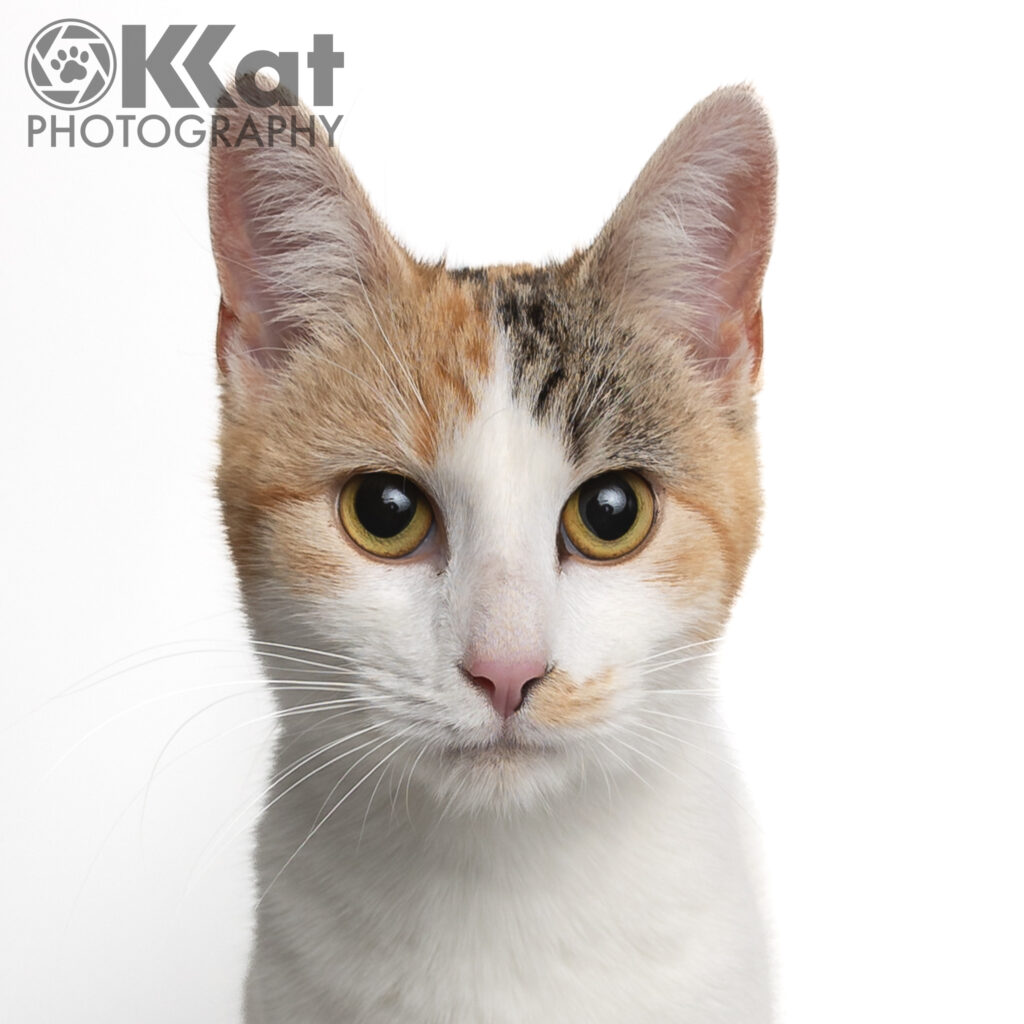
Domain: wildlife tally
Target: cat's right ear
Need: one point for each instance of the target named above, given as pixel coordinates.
(295, 238)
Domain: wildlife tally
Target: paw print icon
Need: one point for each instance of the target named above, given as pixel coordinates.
(70, 64)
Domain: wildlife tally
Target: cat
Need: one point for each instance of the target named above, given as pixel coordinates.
(488, 525)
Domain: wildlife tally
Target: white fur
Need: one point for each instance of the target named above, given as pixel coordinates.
(596, 872)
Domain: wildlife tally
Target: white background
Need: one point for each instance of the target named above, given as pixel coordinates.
(871, 674)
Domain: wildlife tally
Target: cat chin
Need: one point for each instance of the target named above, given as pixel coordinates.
(498, 778)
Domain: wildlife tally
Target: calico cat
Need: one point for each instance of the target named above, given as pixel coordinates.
(488, 525)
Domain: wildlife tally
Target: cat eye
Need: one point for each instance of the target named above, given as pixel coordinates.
(609, 516)
(385, 514)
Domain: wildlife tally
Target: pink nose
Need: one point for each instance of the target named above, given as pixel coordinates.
(504, 681)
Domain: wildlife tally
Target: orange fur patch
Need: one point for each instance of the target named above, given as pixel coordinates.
(384, 396)
(558, 700)
(303, 545)
(708, 515)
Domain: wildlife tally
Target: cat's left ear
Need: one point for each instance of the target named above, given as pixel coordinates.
(685, 252)
(301, 254)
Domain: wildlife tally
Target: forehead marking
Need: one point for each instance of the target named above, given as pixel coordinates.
(573, 367)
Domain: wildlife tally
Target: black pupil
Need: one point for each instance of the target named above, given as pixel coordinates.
(608, 506)
(385, 504)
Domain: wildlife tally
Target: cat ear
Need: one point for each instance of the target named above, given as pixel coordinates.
(295, 238)
(686, 250)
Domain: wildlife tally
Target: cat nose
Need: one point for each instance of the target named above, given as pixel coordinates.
(504, 681)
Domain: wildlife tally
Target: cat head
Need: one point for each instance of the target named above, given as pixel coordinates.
(485, 517)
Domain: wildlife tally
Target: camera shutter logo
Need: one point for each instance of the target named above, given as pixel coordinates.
(70, 64)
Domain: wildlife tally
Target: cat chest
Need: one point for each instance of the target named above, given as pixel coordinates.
(478, 943)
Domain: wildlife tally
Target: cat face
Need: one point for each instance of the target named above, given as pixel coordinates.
(495, 513)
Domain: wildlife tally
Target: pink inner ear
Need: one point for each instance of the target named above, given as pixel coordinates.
(243, 317)
(296, 242)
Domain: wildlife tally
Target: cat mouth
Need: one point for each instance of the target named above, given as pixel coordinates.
(505, 744)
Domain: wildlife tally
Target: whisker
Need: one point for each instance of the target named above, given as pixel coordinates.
(625, 764)
(693, 693)
(369, 804)
(276, 715)
(678, 661)
(292, 660)
(673, 650)
(408, 781)
(681, 718)
(348, 771)
(395, 794)
(318, 724)
(226, 832)
(714, 779)
(149, 702)
(143, 791)
(679, 739)
(647, 757)
(303, 650)
(280, 776)
(316, 828)
(607, 778)
(87, 682)
(77, 689)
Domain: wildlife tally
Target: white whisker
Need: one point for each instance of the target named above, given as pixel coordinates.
(316, 828)
(84, 684)
(408, 781)
(625, 764)
(681, 718)
(679, 661)
(149, 702)
(673, 650)
(351, 767)
(689, 743)
(225, 833)
(366, 814)
(276, 715)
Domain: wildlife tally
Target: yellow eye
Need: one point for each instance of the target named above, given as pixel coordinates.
(385, 514)
(609, 516)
